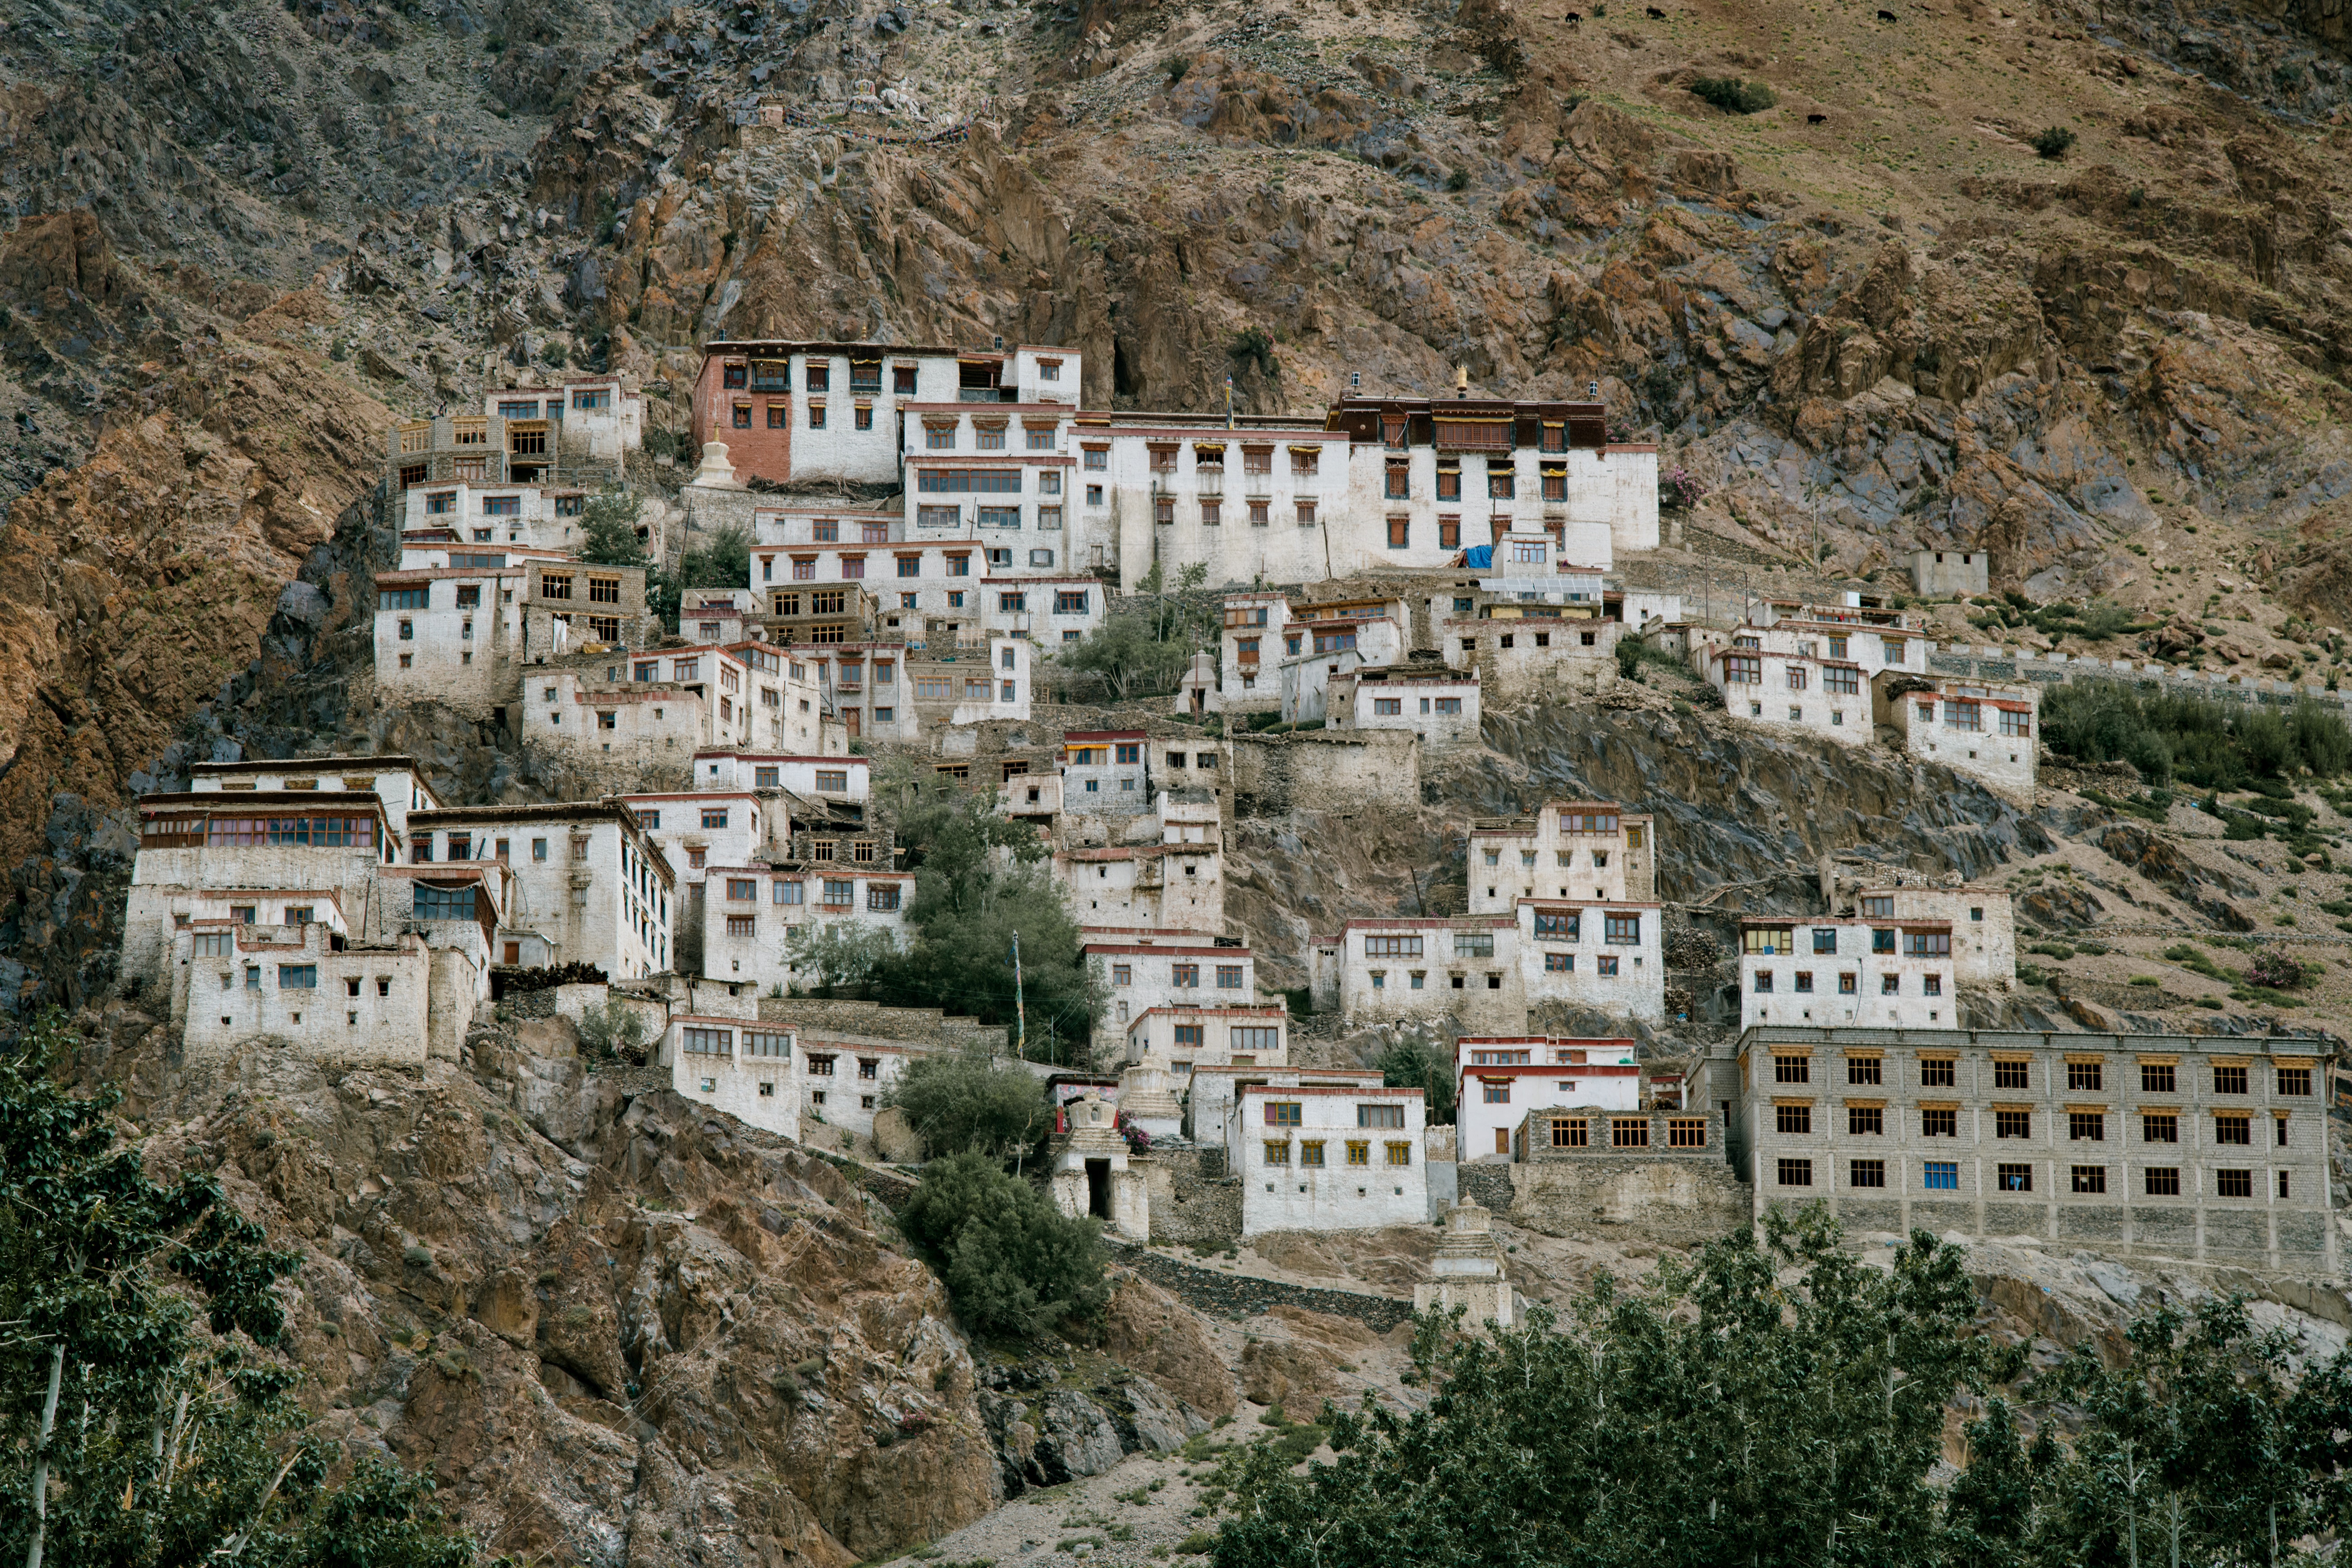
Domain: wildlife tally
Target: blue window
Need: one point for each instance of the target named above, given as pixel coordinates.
(1941, 1175)
(788, 892)
(1824, 939)
(443, 903)
(298, 977)
(502, 506)
(441, 501)
(405, 599)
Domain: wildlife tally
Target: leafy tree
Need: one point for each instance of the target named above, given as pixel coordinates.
(723, 560)
(838, 955)
(1013, 1263)
(1778, 1401)
(1421, 1065)
(608, 529)
(978, 883)
(612, 1029)
(125, 1436)
(1148, 639)
(967, 1103)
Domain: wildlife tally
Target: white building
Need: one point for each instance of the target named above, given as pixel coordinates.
(1500, 1078)
(589, 887)
(1106, 772)
(1808, 667)
(1591, 850)
(589, 418)
(1315, 1158)
(705, 828)
(1985, 730)
(460, 513)
(1177, 883)
(1983, 922)
(1323, 641)
(1249, 646)
(1179, 1039)
(1259, 500)
(1610, 955)
(461, 635)
(746, 1067)
(1882, 972)
(1441, 708)
(1951, 573)
(1485, 972)
(649, 708)
(1148, 969)
(750, 911)
(395, 780)
(307, 988)
(843, 778)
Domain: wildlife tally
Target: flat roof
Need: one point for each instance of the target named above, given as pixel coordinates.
(293, 764)
(2051, 1039)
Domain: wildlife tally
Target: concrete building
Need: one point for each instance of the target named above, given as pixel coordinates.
(1255, 498)
(1606, 956)
(1106, 772)
(1440, 707)
(464, 634)
(1984, 729)
(395, 780)
(1212, 1093)
(753, 910)
(1811, 668)
(1176, 883)
(1486, 973)
(590, 885)
(1500, 1078)
(1880, 972)
(1591, 850)
(516, 516)
(1182, 1039)
(1254, 625)
(1982, 920)
(1314, 1158)
(655, 708)
(2204, 1148)
(746, 1067)
(1951, 573)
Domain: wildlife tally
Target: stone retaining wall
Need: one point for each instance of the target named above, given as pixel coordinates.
(1671, 1202)
(1240, 1296)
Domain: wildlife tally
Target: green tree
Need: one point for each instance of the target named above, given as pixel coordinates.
(608, 529)
(979, 881)
(1421, 1065)
(612, 1029)
(839, 955)
(1148, 639)
(1014, 1264)
(967, 1103)
(125, 1436)
(1778, 1401)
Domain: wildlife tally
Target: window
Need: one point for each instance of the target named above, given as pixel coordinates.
(743, 418)
(1866, 1173)
(1796, 678)
(298, 977)
(430, 903)
(2089, 1178)
(1400, 532)
(1881, 941)
(1864, 1069)
(1283, 1113)
(2083, 1076)
(1310, 1153)
(1629, 1132)
(1379, 1115)
(1256, 1037)
(1560, 962)
(882, 899)
(2159, 1127)
(2228, 1079)
(742, 889)
(1570, 1132)
(2013, 1178)
(842, 893)
(1392, 947)
(2231, 1128)
(2009, 1073)
(1496, 1094)
(1796, 1173)
(1500, 484)
(405, 599)
(1686, 1133)
(2161, 1181)
(1763, 983)
(1742, 669)
(1558, 926)
(1621, 930)
(1122, 975)
(2233, 1183)
(787, 893)
(1865, 1120)
(2013, 1123)
(2294, 1081)
(1793, 1120)
(1792, 1069)
(1184, 976)
(1939, 1122)
(1400, 1154)
(1229, 977)
(1927, 944)
(1938, 1072)
(1940, 1175)
(833, 780)
(2086, 1126)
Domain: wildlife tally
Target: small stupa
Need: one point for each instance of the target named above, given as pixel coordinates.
(1469, 1272)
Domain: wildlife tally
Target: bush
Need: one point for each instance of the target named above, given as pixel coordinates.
(1737, 97)
(520, 982)
(1423, 1065)
(2053, 142)
(1678, 492)
(1251, 346)
(2275, 971)
(612, 1031)
(1014, 1264)
(964, 1104)
(2209, 743)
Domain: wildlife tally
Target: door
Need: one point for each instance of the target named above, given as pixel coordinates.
(1502, 1140)
(1098, 1188)
(512, 953)
(850, 716)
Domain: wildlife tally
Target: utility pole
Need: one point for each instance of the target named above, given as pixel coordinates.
(1020, 1009)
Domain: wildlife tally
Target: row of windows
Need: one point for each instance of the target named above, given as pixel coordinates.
(1213, 513)
(834, 893)
(987, 438)
(311, 832)
(1249, 1037)
(1943, 1176)
(2017, 1122)
(1292, 1113)
(1502, 483)
(1941, 1072)
(1211, 460)
(1552, 925)
(1848, 985)
(756, 1043)
(1393, 707)
(301, 977)
(1748, 669)
(1625, 1131)
(1968, 716)
(1183, 976)
(1310, 1153)
(1767, 941)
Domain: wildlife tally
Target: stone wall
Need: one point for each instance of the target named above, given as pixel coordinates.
(1193, 1203)
(1326, 770)
(1243, 1296)
(1672, 1201)
(915, 1025)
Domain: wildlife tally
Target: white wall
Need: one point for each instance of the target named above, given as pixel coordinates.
(1333, 1196)
(1959, 725)
(1408, 702)
(368, 1005)
(1553, 857)
(1535, 1073)
(1809, 987)
(755, 1078)
(737, 771)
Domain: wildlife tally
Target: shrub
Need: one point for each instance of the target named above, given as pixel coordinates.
(612, 1031)
(2277, 970)
(1731, 94)
(1251, 346)
(963, 1103)
(1678, 492)
(1420, 1065)
(2052, 143)
(1459, 180)
(2209, 743)
(1013, 1263)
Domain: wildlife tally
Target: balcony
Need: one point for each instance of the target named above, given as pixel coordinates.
(988, 394)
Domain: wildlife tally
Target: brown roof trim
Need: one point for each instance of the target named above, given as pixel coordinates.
(340, 764)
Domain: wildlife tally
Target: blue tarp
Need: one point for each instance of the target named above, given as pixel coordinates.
(1479, 557)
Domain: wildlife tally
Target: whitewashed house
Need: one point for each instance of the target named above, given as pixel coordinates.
(1500, 1078)
(1314, 1158)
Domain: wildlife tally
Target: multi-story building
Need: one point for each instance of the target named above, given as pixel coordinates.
(590, 885)
(1252, 635)
(1981, 919)
(1178, 1040)
(1177, 883)
(1984, 729)
(1247, 499)
(747, 1068)
(1211, 1093)
(1808, 667)
(1317, 1158)
(1105, 772)
(1500, 1078)
(753, 910)
(1883, 971)
(516, 516)
(651, 709)
(1592, 850)
(2205, 1148)
(1488, 972)
(589, 420)
(1438, 705)
(1142, 970)
(308, 986)
(843, 780)
(395, 780)
(462, 634)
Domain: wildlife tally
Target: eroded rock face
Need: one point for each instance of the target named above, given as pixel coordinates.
(609, 1326)
(1148, 1330)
